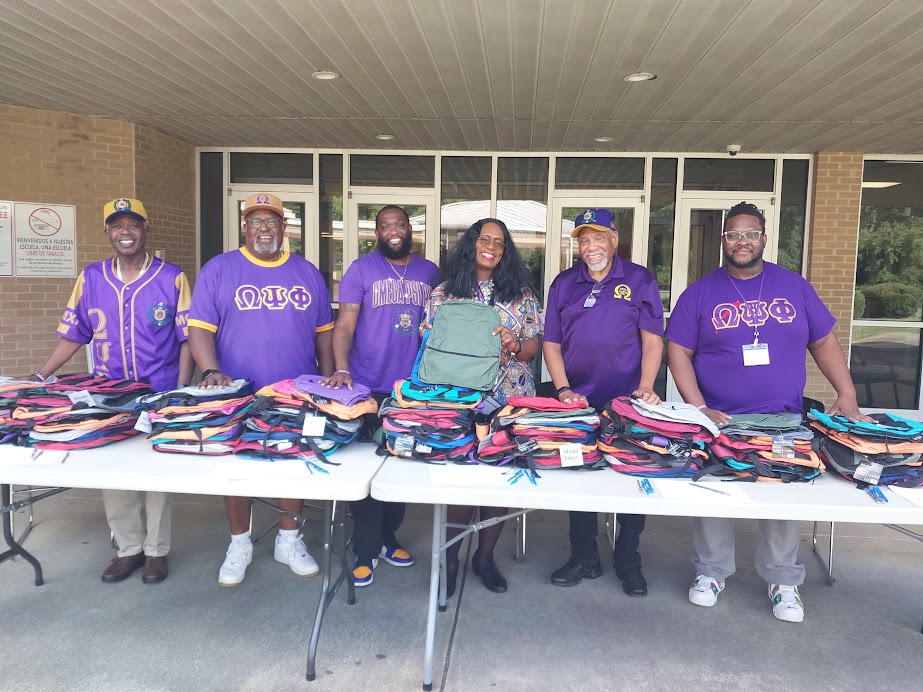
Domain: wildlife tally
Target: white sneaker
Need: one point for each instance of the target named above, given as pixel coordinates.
(786, 603)
(295, 555)
(239, 556)
(704, 591)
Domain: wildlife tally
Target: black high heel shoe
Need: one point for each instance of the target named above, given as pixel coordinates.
(489, 574)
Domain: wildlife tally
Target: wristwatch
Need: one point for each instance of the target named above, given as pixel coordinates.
(208, 373)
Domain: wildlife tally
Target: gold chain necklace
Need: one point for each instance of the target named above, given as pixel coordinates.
(406, 267)
(144, 266)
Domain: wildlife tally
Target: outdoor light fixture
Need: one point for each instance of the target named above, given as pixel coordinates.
(384, 138)
(877, 184)
(325, 75)
(640, 77)
(602, 139)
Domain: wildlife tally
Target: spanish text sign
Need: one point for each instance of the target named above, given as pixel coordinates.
(6, 239)
(45, 239)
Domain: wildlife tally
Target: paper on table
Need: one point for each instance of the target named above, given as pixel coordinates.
(913, 495)
(466, 475)
(679, 489)
(238, 470)
(26, 456)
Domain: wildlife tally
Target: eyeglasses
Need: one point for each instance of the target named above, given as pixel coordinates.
(273, 222)
(487, 241)
(591, 299)
(734, 236)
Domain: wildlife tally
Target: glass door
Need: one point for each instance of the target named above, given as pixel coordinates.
(299, 238)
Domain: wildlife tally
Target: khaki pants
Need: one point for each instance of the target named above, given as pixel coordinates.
(139, 521)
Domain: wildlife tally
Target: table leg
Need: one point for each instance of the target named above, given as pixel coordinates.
(329, 508)
(520, 554)
(344, 558)
(828, 565)
(435, 593)
(14, 547)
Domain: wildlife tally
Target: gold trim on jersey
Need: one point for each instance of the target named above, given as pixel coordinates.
(283, 258)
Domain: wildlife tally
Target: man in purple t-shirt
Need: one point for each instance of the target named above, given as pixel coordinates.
(262, 314)
(603, 339)
(375, 342)
(737, 340)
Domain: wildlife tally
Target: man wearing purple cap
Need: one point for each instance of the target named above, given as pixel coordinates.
(132, 307)
(603, 339)
(262, 314)
(375, 341)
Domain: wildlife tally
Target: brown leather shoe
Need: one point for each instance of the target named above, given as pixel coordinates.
(121, 568)
(155, 570)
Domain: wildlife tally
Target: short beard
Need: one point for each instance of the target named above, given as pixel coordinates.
(599, 266)
(269, 248)
(400, 253)
(730, 261)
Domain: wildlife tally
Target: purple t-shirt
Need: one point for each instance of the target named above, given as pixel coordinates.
(717, 315)
(265, 315)
(387, 332)
(136, 328)
(601, 345)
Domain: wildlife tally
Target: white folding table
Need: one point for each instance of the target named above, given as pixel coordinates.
(829, 498)
(134, 465)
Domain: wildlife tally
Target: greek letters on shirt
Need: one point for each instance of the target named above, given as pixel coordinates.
(752, 313)
(391, 292)
(249, 297)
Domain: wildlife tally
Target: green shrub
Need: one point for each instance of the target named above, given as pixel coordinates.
(858, 304)
(892, 301)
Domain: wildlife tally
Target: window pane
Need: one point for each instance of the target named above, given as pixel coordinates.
(660, 239)
(368, 242)
(889, 267)
(611, 173)
(211, 205)
(755, 175)
(792, 213)
(373, 170)
(522, 194)
(272, 169)
(465, 197)
(331, 222)
(885, 366)
(622, 217)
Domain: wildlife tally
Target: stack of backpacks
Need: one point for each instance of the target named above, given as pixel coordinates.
(655, 441)
(535, 431)
(200, 421)
(854, 448)
(11, 390)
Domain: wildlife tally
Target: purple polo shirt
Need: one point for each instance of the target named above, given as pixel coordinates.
(265, 315)
(136, 328)
(601, 345)
(717, 315)
(387, 331)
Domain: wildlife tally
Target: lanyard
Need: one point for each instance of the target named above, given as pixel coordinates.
(759, 299)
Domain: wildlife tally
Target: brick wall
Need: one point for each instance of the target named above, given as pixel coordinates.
(61, 158)
(837, 188)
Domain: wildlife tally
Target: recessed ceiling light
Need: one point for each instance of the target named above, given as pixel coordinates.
(602, 139)
(640, 77)
(325, 75)
(877, 184)
(384, 138)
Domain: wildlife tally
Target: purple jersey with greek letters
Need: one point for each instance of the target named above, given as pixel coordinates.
(387, 337)
(717, 315)
(136, 328)
(601, 344)
(265, 315)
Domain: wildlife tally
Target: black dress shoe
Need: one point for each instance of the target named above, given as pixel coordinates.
(489, 574)
(451, 576)
(633, 582)
(574, 572)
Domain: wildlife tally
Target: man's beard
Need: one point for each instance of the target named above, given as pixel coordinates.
(269, 248)
(402, 251)
(599, 266)
(730, 261)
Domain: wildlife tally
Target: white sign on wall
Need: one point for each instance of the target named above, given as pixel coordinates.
(45, 239)
(6, 239)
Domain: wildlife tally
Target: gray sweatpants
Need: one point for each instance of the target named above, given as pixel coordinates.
(776, 550)
(140, 521)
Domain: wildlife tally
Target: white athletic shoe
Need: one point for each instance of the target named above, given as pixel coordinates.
(234, 567)
(704, 591)
(786, 603)
(294, 554)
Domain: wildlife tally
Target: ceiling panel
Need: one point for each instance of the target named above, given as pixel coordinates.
(504, 75)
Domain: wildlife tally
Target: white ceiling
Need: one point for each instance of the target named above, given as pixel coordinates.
(497, 75)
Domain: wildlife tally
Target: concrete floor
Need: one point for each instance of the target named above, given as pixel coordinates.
(76, 633)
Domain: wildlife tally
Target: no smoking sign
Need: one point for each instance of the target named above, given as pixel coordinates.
(45, 222)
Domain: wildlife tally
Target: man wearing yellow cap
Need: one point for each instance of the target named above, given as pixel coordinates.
(133, 308)
(262, 314)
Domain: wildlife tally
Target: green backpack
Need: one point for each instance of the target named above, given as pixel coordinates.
(460, 350)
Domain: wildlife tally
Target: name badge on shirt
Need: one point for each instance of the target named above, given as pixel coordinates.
(756, 354)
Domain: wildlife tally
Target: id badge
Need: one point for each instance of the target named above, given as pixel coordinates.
(756, 354)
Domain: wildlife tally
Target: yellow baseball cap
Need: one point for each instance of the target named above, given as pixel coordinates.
(124, 205)
(263, 201)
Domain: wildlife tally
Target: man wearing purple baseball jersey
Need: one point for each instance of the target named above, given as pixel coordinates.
(375, 342)
(736, 344)
(603, 339)
(133, 309)
(262, 314)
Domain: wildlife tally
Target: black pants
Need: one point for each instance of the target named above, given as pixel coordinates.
(583, 530)
(374, 525)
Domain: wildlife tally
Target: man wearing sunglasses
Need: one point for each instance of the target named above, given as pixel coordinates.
(603, 339)
(736, 344)
(262, 314)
